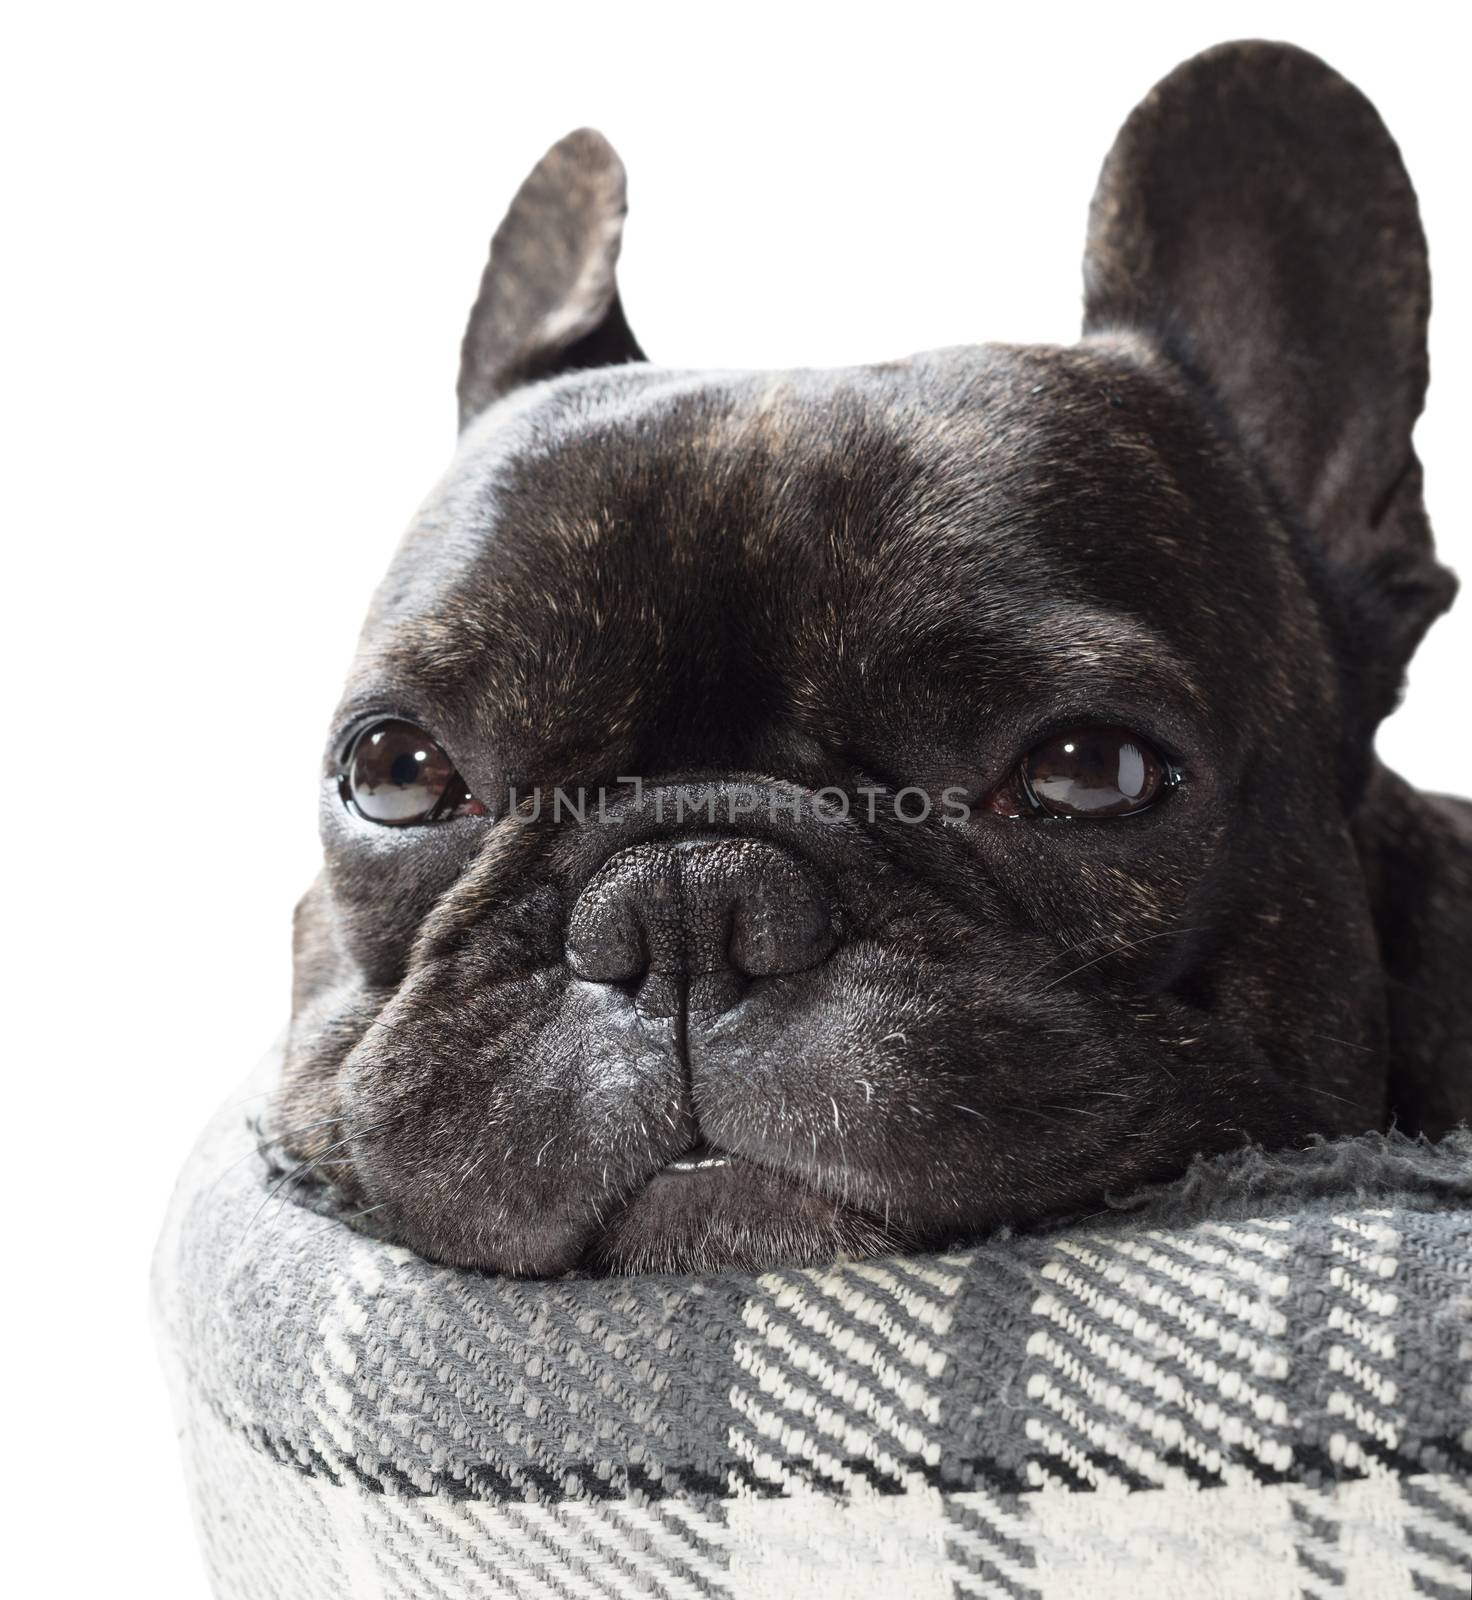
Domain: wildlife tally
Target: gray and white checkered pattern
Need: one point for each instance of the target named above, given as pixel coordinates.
(1258, 1383)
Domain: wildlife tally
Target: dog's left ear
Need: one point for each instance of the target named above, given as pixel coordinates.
(548, 300)
(1255, 220)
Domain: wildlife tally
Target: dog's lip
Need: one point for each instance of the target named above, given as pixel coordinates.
(710, 1210)
(700, 1157)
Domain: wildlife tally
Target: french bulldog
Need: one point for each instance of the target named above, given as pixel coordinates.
(782, 815)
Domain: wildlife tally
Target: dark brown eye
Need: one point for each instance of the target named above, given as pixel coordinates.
(397, 775)
(1094, 772)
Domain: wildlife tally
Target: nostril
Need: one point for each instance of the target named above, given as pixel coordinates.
(605, 942)
(779, 926)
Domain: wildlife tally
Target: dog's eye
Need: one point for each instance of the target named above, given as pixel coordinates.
(397, 775)
(1086, 772)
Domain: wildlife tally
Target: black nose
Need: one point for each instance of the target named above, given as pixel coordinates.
(713, 911)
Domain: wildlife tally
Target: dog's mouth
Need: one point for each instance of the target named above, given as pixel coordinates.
(700, 1157)
(709, 1209)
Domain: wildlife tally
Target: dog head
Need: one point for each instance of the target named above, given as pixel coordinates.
(774, 815)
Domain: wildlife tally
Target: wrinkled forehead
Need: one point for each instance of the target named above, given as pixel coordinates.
(990, 510)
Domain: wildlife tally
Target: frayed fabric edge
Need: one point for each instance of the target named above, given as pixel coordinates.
(1367, 1167)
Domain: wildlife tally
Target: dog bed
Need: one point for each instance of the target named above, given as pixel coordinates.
(1254, 1382)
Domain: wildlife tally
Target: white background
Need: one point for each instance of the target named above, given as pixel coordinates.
(240, 246)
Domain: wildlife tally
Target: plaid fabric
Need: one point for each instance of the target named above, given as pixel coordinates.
(1257, 1383)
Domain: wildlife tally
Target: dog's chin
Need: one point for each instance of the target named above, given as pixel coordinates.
(719, 1213)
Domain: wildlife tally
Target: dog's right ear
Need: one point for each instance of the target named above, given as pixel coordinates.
(548, 300)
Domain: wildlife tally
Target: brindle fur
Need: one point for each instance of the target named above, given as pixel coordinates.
(1203, 521)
